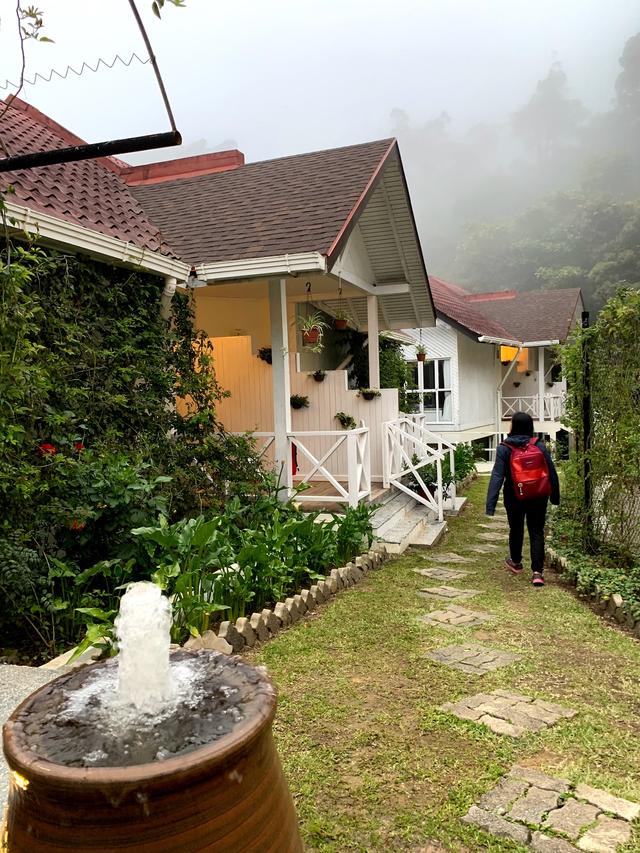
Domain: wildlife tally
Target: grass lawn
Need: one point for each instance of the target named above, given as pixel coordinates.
(374, 766)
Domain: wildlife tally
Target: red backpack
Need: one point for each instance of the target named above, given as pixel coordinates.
(529, 471)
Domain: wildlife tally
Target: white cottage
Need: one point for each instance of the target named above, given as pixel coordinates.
(491, 355)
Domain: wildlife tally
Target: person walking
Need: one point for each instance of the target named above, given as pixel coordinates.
(525, 468)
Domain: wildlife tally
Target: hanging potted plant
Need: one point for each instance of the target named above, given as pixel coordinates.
(319, 375)
(346, 421)
(265, 354)
(368, 393)
(341, 321)
(312, 328)
(516, 384)
(298, 401)
(421, 352)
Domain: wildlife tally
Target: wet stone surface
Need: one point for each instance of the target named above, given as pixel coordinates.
(441, 574)
(473, 658)
(546, 814)
(452, 558)
(447, 593)
(454, 617)
(509, 713)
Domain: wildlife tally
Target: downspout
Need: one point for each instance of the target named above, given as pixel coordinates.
(170, 284)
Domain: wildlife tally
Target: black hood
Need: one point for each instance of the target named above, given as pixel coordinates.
(518, 440)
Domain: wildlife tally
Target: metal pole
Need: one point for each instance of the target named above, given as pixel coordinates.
(586, 436)
(90, 151)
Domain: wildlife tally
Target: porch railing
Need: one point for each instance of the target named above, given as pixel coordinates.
(324, 464)
(408, 447)
(553, 406)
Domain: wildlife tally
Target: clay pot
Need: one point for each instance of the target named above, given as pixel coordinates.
(225, 797)
(340, 323)
(310, 337)
(421, 356)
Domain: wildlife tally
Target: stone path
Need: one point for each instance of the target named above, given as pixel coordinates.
(455, 617)
(527, 806)
(447, 593)
(441, 574)
(507, 713)
(552, 816)
(473, 658)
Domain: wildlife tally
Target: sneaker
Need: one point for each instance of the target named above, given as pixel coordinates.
(537, 579)
(514, 568)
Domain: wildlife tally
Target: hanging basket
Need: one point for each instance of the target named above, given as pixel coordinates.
(421, 356)
(310, 337)
(340, 323)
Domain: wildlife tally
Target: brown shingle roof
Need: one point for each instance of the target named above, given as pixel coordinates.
(90, 193)
(276, 207)
(536, 315)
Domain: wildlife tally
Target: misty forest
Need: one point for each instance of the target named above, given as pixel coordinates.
(549, 198)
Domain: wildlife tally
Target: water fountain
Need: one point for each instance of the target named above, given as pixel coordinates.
(150, 750)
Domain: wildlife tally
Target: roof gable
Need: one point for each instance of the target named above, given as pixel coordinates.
(90, 193)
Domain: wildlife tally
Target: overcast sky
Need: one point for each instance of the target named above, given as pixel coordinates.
(284, 77)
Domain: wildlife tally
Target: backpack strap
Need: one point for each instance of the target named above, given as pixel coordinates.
(533, 441)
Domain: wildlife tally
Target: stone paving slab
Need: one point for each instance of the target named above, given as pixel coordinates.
(441, 574)
(473, 658)
(548, 815)
(492, 537)
(448, 593)
(449, 558)
(455, 617)
(486, 549)
(510, 714)
(495, 526)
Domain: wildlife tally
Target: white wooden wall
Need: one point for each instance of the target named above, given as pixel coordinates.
(250, 407)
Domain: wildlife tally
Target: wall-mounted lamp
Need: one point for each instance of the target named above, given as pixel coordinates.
(193, 281)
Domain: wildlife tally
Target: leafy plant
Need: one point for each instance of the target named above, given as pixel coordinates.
(319, 375)
(369, 393)
(346, 421)
(298, 401)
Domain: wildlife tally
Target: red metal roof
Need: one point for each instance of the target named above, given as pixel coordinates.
(536, 315)
(90, 193)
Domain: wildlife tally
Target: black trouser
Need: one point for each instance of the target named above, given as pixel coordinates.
(535, 512)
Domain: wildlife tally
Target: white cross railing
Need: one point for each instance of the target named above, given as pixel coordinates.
(553, 406)
(408, 448)
(358, 483)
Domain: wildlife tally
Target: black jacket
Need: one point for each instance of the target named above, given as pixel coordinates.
(502, 474)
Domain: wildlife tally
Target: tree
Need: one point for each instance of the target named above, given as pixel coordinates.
(550, 119)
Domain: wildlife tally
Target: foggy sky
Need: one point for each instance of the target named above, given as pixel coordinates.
(284, 77)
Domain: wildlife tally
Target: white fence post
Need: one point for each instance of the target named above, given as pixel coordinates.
(386, 453)
(452, 468)
(440, 501)
(352, 469)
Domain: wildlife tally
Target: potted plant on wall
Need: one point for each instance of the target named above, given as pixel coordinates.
(319, 375)
(265, 354)
(298, 401)
(421, 352)
(346, 421)
(368, 393)
(312, 328)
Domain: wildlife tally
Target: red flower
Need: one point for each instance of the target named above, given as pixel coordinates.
(78, 446)
(47, 449)
(77, 524)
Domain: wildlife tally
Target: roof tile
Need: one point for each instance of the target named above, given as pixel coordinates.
(90, 193)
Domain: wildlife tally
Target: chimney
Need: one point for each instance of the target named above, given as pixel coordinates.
(185, 167)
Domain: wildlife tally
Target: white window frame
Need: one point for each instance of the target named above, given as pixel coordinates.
(421, 391)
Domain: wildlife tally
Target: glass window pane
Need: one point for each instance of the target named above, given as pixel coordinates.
(429, 374)
(444, 405)
(413, 376)
(446, 373)
(430, 406)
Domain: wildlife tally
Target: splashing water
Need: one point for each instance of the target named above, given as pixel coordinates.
(143, 628)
